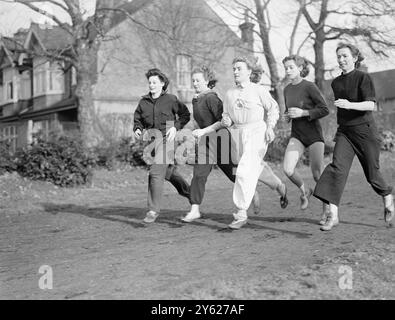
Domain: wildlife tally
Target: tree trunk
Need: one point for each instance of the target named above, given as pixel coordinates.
(269, 56)
(319, 59)
(87, 117)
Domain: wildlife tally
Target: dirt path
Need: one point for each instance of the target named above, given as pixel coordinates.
(98, 248)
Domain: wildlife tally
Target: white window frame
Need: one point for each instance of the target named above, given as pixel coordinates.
(43, 126)
(8, 79)
(55, 75)
(25, 86)
(2, 100)
(184, 69)
(73, 76)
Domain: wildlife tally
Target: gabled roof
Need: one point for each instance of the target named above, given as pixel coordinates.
(11, 47)
(50, 38)
(4, 52)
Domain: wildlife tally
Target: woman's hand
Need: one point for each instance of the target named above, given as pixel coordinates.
(269, 135)
(343, 103)
(296, 113)
(226, 121)
(198, 133)
(171, 134)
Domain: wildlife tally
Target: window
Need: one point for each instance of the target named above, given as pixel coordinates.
(1, 94)
(9, 90)
(73, 76)
(56, 78)
(184, 71)
(25, 86)
(9, 134)
(41, 128)
(39, 81)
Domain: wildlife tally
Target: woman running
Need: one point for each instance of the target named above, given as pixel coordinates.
(163, 114)
(356, 135)
(304, 106)
(207, 111)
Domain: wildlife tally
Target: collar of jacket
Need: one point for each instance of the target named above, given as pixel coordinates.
(149, 96)
(203, 93)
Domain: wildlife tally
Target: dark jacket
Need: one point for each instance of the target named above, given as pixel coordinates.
(154, 114)
(207, 109)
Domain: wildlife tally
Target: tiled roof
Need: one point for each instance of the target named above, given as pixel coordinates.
(52, 38)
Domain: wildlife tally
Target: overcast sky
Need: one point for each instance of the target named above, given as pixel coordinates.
(14, 16)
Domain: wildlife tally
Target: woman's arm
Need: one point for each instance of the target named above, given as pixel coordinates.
(320, 109)
(359, 106)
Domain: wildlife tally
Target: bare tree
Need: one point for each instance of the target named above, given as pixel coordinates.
(85, 35)
(188, 28)
(325, 20)
(259, 13)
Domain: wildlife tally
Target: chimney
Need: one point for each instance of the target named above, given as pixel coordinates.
(247, 33)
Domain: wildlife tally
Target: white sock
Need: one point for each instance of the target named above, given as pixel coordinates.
(302, 190)
(195, 209)
(388, 200)
(333, 210)
(242, 214)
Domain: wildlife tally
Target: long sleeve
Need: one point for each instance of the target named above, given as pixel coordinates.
(225, 107)
(320, 109)
(215, 106)
(138, 119)
(271, 107)
(183, 115)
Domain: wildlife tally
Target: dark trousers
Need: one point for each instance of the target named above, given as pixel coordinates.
(157, 175)
(200, 174)
(202, 171)
(363, 141)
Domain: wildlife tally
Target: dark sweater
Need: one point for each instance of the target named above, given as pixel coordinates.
(355, 86)
(166, 110)
(207, 109)
(306, 95)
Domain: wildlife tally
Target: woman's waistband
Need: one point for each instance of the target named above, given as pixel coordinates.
(250, 125)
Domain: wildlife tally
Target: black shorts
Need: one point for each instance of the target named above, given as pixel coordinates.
(307, 141)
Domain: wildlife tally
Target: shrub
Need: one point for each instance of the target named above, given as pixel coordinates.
(387, 139)
(61, 160)
(131, 152)
(7, 160)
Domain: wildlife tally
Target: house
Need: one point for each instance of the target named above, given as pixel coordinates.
(36, 92)
(174, 35)
(384, 83)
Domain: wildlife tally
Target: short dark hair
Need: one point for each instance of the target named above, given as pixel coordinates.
(208, 75)
(354, 51)
(300, 62)
(162, 77)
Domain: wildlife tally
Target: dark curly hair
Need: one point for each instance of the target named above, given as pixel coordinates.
(162, 77)
(300, 62)
(208, 75)
(256, 70)
(354, 51)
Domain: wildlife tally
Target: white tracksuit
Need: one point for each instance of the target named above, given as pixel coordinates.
(246, 107)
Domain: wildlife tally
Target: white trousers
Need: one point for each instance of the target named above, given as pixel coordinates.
(250, 143)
